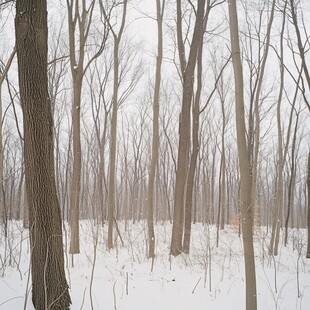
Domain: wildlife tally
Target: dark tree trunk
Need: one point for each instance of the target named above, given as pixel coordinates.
(49, 285)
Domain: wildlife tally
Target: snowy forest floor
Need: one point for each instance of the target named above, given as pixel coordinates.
(210, 277)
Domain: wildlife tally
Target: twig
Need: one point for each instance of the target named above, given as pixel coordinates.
(275, 275)
(83, 298)
(152, 265)
(10, 300)
(193, 291)
(93, 268)
(127, 283)
(114, 295)
(118, 232)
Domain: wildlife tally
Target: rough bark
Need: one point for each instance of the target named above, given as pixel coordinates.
(244, 165)
(49, 285)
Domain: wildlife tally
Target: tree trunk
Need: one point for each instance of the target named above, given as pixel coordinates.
(3, 218)
(254, 126)
(49, 285)
(155, 139)
(308, 217)
(291, 185)
(77, 80)
(3, 75)
(301, 46)
(79, 20)
(276, 221)
(112, 162)
(184, 127)
(194, 154)
(76, 168)
(245, 177)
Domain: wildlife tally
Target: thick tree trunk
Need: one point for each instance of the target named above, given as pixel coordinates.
(49, 285)
(245, 178)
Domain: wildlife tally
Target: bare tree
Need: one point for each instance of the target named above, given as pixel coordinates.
(5, 3)
(3, 74)
(197, 110)
(49, 285)
(302, 46)
(244, 164)
(283, 145)
(187, 72)
(79, 23)
(292, 177)
(117, 36)
(155, 139)
(195, 142)
(57, 73)
(308, 217)
(257, 75)
(98, 83)
(222, 91)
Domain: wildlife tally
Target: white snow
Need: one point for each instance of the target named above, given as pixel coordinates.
(209, 278)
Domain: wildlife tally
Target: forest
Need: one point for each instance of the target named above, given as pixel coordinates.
(154, 147)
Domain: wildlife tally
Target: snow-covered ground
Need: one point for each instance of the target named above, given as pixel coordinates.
(210, 277)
